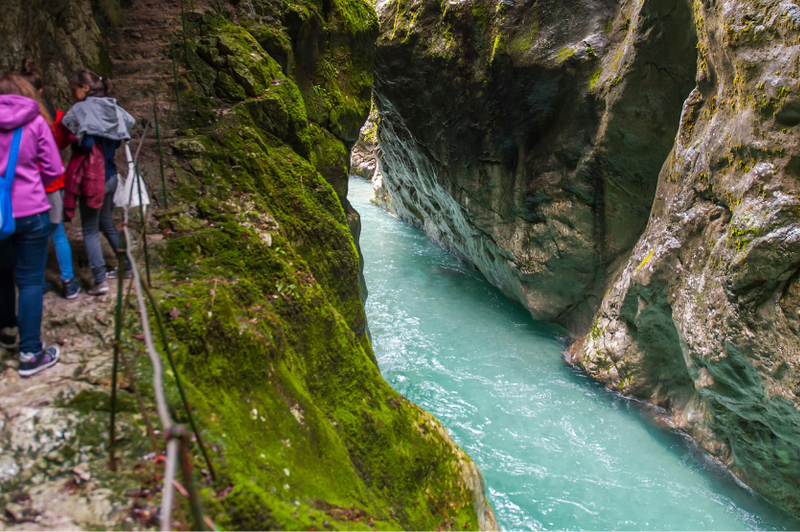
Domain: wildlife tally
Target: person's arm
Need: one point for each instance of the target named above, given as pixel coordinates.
(61, 133)
(50, 165)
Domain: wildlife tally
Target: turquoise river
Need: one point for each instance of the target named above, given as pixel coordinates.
(557, 450)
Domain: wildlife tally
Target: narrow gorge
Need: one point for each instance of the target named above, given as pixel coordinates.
(614, 184)
(627, 170)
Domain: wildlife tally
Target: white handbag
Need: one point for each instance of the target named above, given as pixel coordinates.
(131, 191)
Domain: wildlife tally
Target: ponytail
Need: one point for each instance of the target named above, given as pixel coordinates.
(98, 85)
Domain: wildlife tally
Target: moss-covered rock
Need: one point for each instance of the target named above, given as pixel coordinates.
(262, 293)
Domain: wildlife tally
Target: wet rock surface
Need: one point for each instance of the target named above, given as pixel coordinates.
(527, 138)
(628, 170)
(703, 318)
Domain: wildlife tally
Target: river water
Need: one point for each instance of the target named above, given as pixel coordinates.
(557, 450)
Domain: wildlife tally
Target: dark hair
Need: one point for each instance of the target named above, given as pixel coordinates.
(98, 85)
(13, 83)
(30, 71)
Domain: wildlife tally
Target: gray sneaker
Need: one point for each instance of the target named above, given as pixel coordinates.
(98, 289)
(33, 363)
(114, 274)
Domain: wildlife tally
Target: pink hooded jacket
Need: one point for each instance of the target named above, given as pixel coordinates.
(39, 162)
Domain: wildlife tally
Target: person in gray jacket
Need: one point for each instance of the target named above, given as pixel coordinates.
(97, 119)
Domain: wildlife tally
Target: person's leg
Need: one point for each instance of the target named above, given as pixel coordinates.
(63, 251)
(107, 225)
(8, 293)
(30, 248)
(90, 225)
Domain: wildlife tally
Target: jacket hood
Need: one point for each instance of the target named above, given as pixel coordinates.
(100, 117)
(16, 111)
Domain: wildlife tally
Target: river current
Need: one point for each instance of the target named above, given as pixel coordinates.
(557, 450)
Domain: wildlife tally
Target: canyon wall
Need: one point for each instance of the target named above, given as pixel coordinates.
(703, 320)
(528, 137)
(256, 273)
(630, 171)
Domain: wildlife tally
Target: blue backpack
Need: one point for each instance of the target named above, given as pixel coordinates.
(7, 225)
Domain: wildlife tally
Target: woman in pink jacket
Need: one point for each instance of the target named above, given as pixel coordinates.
(23, 255)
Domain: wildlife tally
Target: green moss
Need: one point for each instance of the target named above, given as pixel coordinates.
(262, 301)
(564, 54)
(646, 259)
(87, 401)
(497, 47)
(479, 13)
(358, 16)
(595, 77)
(742, 237)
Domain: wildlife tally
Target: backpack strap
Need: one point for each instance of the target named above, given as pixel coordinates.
(11, 167)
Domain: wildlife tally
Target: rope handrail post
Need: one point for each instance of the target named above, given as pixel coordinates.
(175, 76)
(183, 27)
(143, 221)
(185, 462)
(112, 437)
(160, 155)
(168, 352)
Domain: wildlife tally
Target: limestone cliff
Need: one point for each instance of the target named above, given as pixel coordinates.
(531, 137)
(256, 272)
(703, 320)
(528, 137)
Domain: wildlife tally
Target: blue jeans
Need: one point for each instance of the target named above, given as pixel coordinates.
(23, 257)
(63, 251)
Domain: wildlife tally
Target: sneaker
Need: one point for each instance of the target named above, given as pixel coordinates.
(8, 338)
(33, 363)
(98, 289)
(114, 274)
(71, 289)
(47, 287)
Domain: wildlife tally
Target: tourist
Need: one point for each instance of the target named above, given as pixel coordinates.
(23, 255)
(55, 192)
(99, 125)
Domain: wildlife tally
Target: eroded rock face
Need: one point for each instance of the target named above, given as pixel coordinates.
(528, 137)
(61, 36)
(704, 320)
(531, 140)
(365, 159)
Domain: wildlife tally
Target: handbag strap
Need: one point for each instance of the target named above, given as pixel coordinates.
(11, 166)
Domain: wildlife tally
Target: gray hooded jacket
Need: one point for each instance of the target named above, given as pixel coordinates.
(99, 117)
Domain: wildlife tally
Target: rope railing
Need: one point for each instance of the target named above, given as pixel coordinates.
(178, 442)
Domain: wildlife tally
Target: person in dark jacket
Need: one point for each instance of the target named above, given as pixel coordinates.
(23, 255)
(99, 125)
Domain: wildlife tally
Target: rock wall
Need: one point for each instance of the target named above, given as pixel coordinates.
(365, 159)
(62, 36)
(703, 320)
(256, 274)
(527, 138)
(531, 138)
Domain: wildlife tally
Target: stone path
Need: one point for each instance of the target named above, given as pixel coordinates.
(45, 463)
(54, 470)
